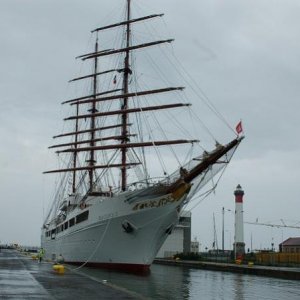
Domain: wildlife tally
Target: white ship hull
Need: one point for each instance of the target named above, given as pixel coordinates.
(102, 241)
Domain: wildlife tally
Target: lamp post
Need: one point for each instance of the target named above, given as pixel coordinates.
(223, 227)
(223, 212)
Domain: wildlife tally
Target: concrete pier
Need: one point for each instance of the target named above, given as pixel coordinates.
(24, 278)
(277, 272)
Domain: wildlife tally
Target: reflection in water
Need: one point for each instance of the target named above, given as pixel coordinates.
(239, 288)
(169, 282)
(163, 282)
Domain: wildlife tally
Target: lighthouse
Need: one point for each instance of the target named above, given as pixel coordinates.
(239, 245)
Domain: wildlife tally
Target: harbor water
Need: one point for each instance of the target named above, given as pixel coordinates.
(170, 282)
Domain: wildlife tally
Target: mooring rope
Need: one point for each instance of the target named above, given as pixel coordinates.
(96, 249)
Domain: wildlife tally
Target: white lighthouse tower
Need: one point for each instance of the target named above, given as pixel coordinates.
(239, 245)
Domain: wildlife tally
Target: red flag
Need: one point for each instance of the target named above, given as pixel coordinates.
(115, 79)
(239, 127)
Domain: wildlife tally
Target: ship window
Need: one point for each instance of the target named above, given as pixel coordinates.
(66, 225)
(82, 217)
(72, 222)
(53, 233)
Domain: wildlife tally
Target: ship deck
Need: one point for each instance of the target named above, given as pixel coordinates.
(21, 277)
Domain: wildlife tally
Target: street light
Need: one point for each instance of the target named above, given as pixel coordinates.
(223, 212)
(223, 217)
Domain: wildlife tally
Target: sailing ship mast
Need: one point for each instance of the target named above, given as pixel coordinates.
(127, 71)
(75, 153)
(93, 110)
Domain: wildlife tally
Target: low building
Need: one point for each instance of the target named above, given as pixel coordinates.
(195, 246)
(291, 245)
(179, 241)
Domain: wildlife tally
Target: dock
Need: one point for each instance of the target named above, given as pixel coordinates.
(21, 277)
(269, 271)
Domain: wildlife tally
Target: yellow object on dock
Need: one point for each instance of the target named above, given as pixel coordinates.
(250, 264)
(34, 257)
(60, 269)
(238, 261)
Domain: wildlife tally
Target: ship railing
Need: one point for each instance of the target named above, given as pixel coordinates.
(154, 181)
(159, 181)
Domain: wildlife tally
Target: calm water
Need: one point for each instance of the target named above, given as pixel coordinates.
(169, 282)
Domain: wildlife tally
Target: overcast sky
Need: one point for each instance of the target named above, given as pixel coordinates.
(245, 56)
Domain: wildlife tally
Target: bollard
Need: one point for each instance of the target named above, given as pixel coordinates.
(60, 269)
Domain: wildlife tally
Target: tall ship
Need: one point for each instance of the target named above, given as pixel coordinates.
(128, 163)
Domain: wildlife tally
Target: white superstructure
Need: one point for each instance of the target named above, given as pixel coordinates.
(179, 240)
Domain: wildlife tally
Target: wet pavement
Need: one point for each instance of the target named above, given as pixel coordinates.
(21, 277)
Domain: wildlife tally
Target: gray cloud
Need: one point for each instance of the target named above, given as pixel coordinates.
(243, 54)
